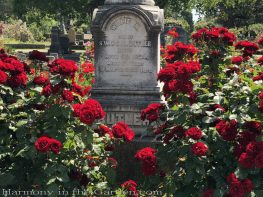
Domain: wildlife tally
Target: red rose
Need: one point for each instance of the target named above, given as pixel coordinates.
(238, 150)
(47, 90)
(42, 144)
(208, 193)
(236, 189)
(253, 126)
(249, 48)
(194, 133)
(247, 185)
(237, 60)
(246, 161)
(17, 80)
(245, 137)
(177, 131)
(259, 160)
(16, 66)
(173, 33)
(149, 160)
(55, 146)
(64, 67)
(260, 95)
(259, 77)
(103, 130)
(131, 187)
(253, 148)
(90, 111)
(152, 112)
(260, 61)
(217, 106)
(40, 80)
(76, 109)
(68, 96)
(166, 74)
(199, 149)
(78, 90)
(260, 106)
(88, 67)
(227, 129)
(37, 55)
(121, 130)
(232, 178)
(3, 77)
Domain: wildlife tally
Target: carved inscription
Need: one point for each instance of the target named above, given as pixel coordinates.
(131, 118)
(125, 53)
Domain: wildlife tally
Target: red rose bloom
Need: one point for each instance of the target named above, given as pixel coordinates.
(247, 185)
(260, 60)
(64, 67)
(88, 67)
(42, 144)
(236, 189)
(194, 133)
(3, 77)
(78, 89)
(55, 146)
(232, 178)
(259, 160)
(237, 60)
(249, 48)
(173, 33)
(253, 148)
(227, 129)
(40, 80)
(260, 42)
(76, 109)
(68, 96)
(208, 193)
(238, 150)
(246, 161)
(152, 112)
(254, 126)
(260, 106)
(16, 66)
(259, 77)
(260, 95)
(90, 111)
(121, 130)
(47, 90)
(17, 80)
(37, 55)
(217, 106)
(199, 149)
(103, 130)
(131, 187)
(166, 74)
(148, 159)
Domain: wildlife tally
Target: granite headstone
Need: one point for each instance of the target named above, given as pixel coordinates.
(127, 50)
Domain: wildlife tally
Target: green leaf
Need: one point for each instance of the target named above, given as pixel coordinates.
(21, 123)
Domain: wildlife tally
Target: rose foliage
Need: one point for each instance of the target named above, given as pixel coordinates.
(211, 128)
(51, 136)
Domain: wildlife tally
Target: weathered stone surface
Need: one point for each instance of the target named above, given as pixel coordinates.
(127, 60)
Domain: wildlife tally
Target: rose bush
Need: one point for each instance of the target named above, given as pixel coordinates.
(51, 135)
(212, 124)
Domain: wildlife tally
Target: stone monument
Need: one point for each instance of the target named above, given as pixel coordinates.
(127, 50)
(55, 41)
